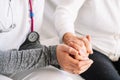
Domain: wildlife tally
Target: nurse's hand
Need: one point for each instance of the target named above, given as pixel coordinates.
(65, 56)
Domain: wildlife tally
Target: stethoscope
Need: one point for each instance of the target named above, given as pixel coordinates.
(3, 29)
(33, 36)
(31, 15)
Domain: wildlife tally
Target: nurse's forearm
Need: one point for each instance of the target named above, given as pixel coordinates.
(15, 61)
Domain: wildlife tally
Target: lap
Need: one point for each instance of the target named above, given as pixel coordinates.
(117, 65)
(102, 68)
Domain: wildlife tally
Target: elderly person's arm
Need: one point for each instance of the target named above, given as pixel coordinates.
(65, 16)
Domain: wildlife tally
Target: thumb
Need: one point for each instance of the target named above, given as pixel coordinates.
(89, 39)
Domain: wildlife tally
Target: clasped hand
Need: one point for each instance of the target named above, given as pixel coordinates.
(73, 57)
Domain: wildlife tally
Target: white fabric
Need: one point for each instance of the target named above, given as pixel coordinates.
(4, 78)
(15, 37)
(46, 73)
(51, 73)
(19, 10)
(99, 18)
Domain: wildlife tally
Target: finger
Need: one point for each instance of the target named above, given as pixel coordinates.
(78, 41)
(75, 46)
(74, 63)
(82, 69)
(75, 66)
(88, 45)
(88, 37)
(85, 68)
(70, 50)
(70, 64)
(79, 57)
(86, 62)
(82, 50)
(74, 39)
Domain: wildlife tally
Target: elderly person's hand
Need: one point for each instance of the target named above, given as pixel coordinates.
(81, 44)
(68, 63)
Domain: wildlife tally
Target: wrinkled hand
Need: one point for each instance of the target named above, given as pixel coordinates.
(68, 63)
(81, 44)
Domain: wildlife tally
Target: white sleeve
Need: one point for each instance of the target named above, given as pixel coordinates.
(65, 16)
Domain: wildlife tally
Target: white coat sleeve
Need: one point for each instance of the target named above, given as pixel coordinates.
(65, 16)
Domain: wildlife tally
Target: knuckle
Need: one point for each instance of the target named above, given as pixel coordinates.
(81, 43)
(69, 50)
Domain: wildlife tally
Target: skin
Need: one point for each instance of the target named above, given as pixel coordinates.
(83, 47)
(81, 44)
(69, 63)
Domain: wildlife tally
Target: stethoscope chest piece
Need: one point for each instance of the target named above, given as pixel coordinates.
(33, 36)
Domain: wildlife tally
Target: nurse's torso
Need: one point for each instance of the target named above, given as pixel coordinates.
(15, 21)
